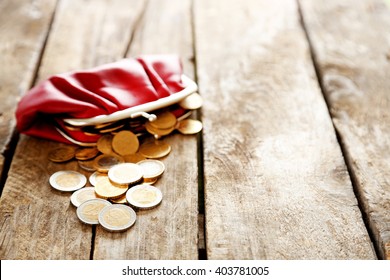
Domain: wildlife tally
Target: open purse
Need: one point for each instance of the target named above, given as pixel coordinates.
(77, 107)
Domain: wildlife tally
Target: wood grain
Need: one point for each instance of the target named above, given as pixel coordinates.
(170, 230)
(276, 184)
(23, 29)
(38, 222)
(353, 57)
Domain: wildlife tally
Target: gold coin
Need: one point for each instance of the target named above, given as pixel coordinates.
(155, 149)
(150, 182)
(61, 154)
(103, 125)
(67, 181)
(104, 144)
(87, 165)
(158, 131)
(164, 120)
(104, 188)
(111, 128)
(96, 176)
(88, 211)
(144, 196)
(117, 217)
(125, 143)
(82, 195)
(152, 169)
(192, 102)
(133, 158)
(125, 173)
(189, 126)
(104, 162)
(120, 200)
(86, 153)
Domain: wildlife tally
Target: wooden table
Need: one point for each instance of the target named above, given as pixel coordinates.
(294, 158)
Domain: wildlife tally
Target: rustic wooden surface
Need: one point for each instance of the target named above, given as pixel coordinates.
(23, 29)
(269, 165)
(355, 69)
(276, 183)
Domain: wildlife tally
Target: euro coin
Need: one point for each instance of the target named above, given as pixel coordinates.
(125, 174)
(96, 176)
(104, 162)
(189, 126)
(133, 158)
(192, 102)
(82, 195)
(125, 143)
(88, 211)
(104, 144)
(120, 200)
(61, 154)
(158, 132)
(86, 153)
(152, 169)
(103, 125)
(87, 165)
(144, 196)
(113, 128)
(164, 120)
(117, 217)
(106, 189)
(67, 181)
(155, 149)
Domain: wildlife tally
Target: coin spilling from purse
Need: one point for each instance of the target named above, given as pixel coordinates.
(124, 165)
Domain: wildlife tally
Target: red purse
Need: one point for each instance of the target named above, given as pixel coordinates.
(66, 107)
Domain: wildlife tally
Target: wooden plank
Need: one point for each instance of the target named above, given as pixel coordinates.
(169, 231)
(353, 57)
(38, 222)
(23, 29)
(276, 184)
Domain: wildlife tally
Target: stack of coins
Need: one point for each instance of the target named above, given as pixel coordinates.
(123, 168)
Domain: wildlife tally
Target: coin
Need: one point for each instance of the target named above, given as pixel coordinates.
(125, 173)
(192, 102)
(164, 120)
(103, 125)
(120, 200)
(157, 132)
(88, 211)
(155, 149)
(133, 158)
(96, 176)
(82, 195)
(67, 181)
(86, 153)
(87, 165)
(189, 126)
(117, 217)
(144, 196)
(125, 143)
(61, 154)
(106, 189)
(112, 128)
(104, 144)
(152, 169)
(104, 162)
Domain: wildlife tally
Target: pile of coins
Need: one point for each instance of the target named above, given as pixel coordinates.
(123, 170)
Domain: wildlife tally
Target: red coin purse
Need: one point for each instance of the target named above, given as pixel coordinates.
(63, 107)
